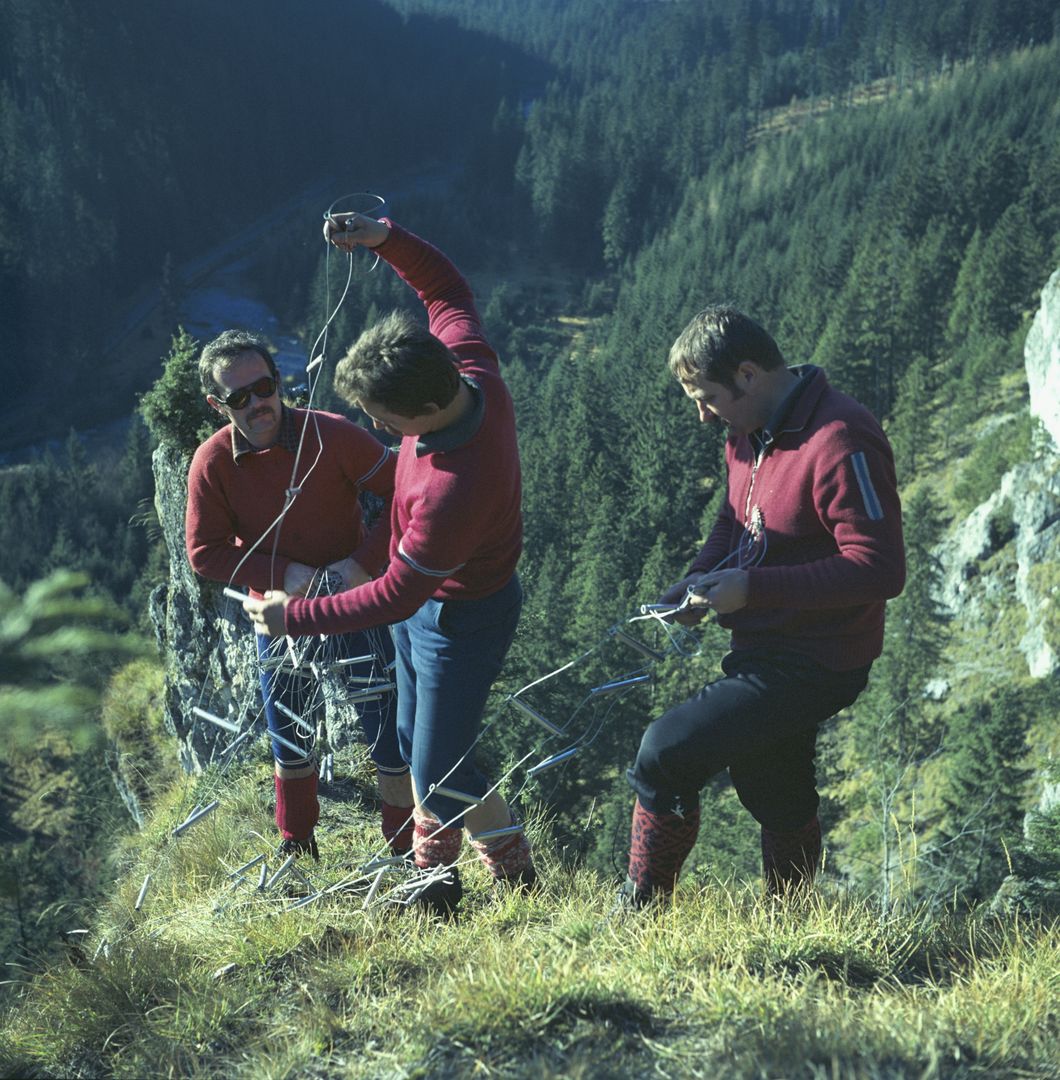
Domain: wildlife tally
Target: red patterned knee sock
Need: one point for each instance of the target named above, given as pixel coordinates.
(297, 808)
(507, 857)
(790, 859)
(398, 827)
(659, 845)
(434, 846)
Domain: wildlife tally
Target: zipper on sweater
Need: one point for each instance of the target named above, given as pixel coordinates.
(759, 457)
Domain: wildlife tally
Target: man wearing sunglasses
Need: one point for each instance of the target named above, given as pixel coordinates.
(238, 531)
(450, 588)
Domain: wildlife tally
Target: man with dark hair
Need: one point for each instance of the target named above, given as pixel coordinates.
(252, 522)
(805, 550)
(399, 364)
(451, 588)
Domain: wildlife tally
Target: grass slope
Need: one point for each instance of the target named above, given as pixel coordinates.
(214, 979)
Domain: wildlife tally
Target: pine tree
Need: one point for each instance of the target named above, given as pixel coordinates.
(984, 800)
(896, 729)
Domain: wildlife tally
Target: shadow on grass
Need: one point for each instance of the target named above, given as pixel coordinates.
(608, 1032)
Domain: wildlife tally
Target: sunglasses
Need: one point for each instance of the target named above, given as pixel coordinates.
(261, 388)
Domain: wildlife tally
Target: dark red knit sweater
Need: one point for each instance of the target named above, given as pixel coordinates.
(456, 522)
(827, 493)
(232, 502)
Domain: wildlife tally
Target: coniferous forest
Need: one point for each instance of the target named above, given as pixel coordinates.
(875, 181)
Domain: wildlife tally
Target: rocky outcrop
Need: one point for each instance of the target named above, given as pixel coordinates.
(1024, 511)
(1008, 549)
(1042, 359)
(209, 657)
(207, 645)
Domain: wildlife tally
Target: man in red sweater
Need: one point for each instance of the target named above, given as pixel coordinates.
(456, 534)
(238, 531)
(806, 548)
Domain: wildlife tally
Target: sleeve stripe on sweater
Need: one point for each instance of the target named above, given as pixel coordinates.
(407, 558)
(376, 467)
(873, 507)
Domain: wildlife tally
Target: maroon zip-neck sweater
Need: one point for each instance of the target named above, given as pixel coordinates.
(456, 520)
(825, 491)
(236, 494)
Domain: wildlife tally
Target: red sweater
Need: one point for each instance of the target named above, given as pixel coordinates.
(828, 497)
(456, 520)
(233, 501)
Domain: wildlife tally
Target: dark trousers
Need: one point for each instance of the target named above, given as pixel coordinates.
(760, 722)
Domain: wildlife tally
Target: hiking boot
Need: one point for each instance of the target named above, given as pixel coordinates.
(299, 847)
(631, 900)
(526, 881)
(442, 896)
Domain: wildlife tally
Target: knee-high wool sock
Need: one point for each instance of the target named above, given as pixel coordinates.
(398, 827)
(506, 857)
(659, 845)
(434, 846)
(297, 808)
(790, 859)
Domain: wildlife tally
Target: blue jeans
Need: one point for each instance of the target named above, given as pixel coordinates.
(302, 694)
(760, 722)
(448, 655)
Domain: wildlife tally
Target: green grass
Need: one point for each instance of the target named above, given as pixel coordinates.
(719, 984)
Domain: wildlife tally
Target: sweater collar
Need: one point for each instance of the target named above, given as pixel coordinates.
(795, 408)
(287, 438)
(460, 432)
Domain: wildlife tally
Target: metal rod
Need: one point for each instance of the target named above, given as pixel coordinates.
(226, 724)
(535, 715)
(354, 660)
(370, 692)
(556, 759)
(232, 745)
(143, 893)
(657, 609)
(383, 864)
(293, 747)
(247, 865)
(633, 643)
(620, 684)
(374, 889)
(293, 651)
(490, 834)
(452, 793)
(197, 816)
(291, 715)
(284, 867)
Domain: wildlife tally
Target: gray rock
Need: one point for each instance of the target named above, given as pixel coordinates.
(1024, 511)
(207, 645)
(1042, 360)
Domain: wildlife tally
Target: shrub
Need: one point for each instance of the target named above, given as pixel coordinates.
(175, 409)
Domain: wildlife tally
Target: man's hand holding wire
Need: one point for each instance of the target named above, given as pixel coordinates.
(349, 231)
(722, 591)
(678, 595)
(691, 598)
(267, 614)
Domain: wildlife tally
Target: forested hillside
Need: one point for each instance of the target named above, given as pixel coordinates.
(877, 182)
(899, 240)
(138, 136)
